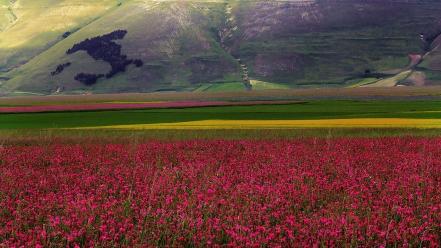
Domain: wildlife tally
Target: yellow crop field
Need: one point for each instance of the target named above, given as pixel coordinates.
(285, 124)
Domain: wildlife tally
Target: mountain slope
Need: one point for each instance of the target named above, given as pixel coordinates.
(207, 45)
(7, 15)
(32, 26)
(174, 41)
(329, 42)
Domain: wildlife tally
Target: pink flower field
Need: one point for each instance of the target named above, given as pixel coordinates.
(343, 192)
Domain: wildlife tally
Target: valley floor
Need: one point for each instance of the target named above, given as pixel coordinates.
(200, 115)
(295, 172)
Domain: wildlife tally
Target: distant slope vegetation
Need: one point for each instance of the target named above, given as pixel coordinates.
(103, 48)
(68, 46)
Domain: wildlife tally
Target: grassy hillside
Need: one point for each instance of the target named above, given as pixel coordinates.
(32, 26)
(212, 45)
(7, 17)
(173, 39)
(330, 43)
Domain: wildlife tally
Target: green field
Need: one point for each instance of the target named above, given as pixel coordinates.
(311, 110)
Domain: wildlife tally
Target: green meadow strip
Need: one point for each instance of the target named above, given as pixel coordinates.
(312, 110)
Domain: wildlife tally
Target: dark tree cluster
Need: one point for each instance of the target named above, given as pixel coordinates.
(60, 68)
(138, 62)
(88, 79)
(67, 34)
(104, 48)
